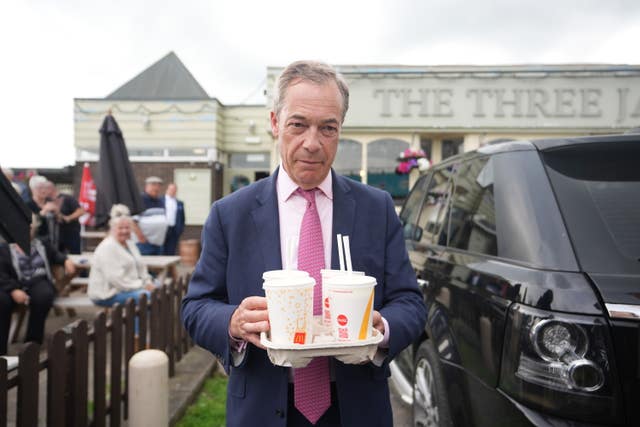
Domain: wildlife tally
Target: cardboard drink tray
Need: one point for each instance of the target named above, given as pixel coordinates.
(299, 355)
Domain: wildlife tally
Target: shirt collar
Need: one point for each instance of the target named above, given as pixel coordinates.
(286, 187)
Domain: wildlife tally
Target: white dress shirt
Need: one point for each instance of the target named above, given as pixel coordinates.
(171, 209)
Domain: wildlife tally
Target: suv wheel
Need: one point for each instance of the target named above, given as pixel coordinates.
(430, 404)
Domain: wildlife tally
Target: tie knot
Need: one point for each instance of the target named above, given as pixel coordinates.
(309, 195)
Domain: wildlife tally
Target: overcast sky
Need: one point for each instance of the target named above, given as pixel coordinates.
(54, 51)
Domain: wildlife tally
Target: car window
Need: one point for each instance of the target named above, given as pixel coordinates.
(529, 225)
(470, 223)
(434, 209)
(598, 189)
(411, 209)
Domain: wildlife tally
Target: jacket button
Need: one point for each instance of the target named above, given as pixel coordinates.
(280, 413)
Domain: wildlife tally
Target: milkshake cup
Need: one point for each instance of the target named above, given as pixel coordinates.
(326, 304)
(351, 301)
(290, 306)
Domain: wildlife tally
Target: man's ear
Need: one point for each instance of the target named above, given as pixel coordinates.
(274, 124)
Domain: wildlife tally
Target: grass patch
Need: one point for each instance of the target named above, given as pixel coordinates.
(209, 409)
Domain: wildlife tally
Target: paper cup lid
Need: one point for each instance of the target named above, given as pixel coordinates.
(289, 282)
(331, 273)
(353, 280)
(277, 274)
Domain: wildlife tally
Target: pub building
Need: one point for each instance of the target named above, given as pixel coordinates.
(174, 129)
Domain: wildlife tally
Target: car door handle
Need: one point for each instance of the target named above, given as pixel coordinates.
(423, 284)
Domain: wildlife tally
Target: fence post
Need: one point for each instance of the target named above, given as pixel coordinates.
(129, 333)
(78, 380)
(28, 372)
(149, 389)
(57, 391)
(171, 328)
(177, 289)
(4, 387)
(143, 310)
(154, 320)
(100, 370)
(116, 366)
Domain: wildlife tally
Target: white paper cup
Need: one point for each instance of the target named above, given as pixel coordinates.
(290, 307)
(351, 301)
(326, 304)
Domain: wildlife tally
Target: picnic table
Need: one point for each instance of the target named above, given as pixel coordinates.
(162, 265)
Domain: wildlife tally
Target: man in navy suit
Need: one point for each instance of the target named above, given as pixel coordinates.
(175, 217)
(225, 309)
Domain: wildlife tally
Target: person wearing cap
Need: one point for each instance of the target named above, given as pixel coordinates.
(224, 309)
(150, 227)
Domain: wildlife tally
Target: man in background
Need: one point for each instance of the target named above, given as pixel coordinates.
(69, 211)
(175, 219)
(151, 225)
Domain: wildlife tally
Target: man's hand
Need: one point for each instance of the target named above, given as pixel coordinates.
(249, 319)
(377, 321)
(20, 296)
(69, 267)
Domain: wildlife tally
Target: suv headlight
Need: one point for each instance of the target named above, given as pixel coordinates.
(559, 363)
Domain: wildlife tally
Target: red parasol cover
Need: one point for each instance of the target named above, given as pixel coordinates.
(87, 197)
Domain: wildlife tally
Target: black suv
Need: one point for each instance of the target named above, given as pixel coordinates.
(528, 256)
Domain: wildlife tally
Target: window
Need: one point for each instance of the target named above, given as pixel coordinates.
(249, 161)
(470, 223)
(411, 209)
(425, 145)
(598, 189)
(348, 159)
(432, 214)
(451, 147)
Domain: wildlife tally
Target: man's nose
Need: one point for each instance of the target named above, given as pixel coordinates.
(312, 139)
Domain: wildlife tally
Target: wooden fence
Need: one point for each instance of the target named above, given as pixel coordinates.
(97, 354)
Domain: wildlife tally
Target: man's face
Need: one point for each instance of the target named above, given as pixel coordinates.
(153, 189)
(308, 131)
(172, 190)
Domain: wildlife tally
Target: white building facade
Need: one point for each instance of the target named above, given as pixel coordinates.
(441, 110)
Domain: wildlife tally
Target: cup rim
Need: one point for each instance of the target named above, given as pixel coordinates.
(359, 282)
(287, 273)
(289, 282)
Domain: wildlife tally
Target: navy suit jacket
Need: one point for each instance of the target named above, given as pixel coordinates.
(180, 220)
(179, 227)
(241, 240)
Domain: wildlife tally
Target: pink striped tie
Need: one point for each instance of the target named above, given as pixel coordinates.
(312, 393)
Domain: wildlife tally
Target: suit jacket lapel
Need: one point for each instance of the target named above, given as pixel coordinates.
(265, 217)
(344, 212)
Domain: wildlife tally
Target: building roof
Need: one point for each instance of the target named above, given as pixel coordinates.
(168, 78)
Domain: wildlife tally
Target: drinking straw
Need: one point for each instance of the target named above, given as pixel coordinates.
(347, 253)
(340, 253)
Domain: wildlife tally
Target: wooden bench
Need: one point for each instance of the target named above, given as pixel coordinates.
(12, 362)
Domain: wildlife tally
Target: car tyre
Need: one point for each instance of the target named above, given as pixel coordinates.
(430, 403)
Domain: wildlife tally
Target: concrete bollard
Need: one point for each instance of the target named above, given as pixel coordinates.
(149, 389)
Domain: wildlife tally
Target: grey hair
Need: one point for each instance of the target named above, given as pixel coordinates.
(119, 212)
(36, 181)
(312, 71)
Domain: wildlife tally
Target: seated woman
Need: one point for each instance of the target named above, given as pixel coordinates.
(117, 271)
(25, 278)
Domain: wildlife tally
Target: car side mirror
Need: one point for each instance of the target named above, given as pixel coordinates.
(413, 232)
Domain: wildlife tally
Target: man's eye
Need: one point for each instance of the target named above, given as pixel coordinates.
(296, 124)
(329, 130)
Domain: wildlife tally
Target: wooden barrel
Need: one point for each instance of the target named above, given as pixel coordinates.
(189, 251)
